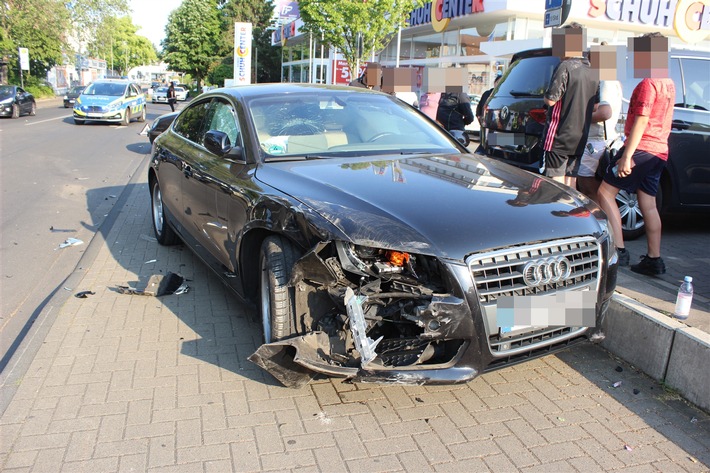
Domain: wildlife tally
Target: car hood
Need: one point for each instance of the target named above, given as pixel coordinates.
(98, 100)
(443, 205)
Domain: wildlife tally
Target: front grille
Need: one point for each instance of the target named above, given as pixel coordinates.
(499, 273)
(94, 109)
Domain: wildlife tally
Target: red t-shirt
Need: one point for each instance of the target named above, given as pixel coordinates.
(653, 98)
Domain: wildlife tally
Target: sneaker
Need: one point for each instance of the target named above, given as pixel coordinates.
(649, 266)
(623, 256)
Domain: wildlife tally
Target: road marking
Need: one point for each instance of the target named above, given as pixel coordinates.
(47, 120)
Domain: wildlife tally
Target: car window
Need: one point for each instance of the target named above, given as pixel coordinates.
(528, 76)
(220, 117)
(189, 123)
(135, 90)
(105, 88)
(696, 75)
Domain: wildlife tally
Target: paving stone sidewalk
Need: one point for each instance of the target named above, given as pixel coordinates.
(135, 383)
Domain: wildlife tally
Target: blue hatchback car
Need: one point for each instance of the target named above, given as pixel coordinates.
(109, 100)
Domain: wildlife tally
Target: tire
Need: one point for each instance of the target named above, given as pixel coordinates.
(141, 117)
(276, 299)
(15, 111)
(126, 118)
(77, 121)
(163, 232)
(33, 110)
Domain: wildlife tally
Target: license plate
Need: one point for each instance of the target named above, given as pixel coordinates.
(94, 115)
(505, 139)
(515, 314)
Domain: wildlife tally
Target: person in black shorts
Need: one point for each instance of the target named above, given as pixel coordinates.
(571, 95)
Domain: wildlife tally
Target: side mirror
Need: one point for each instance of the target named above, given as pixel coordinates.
(461, 136)
(217, 142)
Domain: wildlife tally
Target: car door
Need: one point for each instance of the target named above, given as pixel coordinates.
(173, 150)
(689, 142)
(23, 101)
(209, 194)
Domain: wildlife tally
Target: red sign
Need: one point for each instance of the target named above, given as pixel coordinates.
(341, 72)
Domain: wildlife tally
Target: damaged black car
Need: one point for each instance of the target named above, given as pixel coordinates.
(373, 244)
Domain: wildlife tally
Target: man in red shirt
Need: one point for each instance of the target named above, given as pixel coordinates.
(645, 151)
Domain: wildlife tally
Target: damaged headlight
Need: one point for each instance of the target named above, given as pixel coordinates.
(370, 261)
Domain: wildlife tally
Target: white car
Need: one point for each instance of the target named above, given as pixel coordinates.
(180, 94)
(474, 128)
(160, 95)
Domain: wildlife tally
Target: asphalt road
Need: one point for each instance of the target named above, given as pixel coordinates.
(58, 181)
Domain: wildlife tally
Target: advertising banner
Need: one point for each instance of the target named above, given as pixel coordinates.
(242, 53)
(24, 59)
(341, 72)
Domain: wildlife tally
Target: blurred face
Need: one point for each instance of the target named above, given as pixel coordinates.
(650, 56)
(568, 42)
(603, 61)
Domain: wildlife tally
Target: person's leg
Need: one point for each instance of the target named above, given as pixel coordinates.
(589, 187)
(652, 220)
(607, 201)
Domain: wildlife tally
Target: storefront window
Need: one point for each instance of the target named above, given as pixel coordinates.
(427, 46)
(470, 42)
(451, 42)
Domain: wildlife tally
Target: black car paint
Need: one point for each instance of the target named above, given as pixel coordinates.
(21, 98)
(234, 204)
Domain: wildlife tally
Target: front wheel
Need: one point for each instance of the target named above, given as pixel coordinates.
(141, 118)
(15, 111)
(126, 118)
(163, 232)
(276, 298)
(33, 109)
(78, 121)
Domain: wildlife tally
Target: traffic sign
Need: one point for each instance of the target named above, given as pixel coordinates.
(553, 18)
(552, 4)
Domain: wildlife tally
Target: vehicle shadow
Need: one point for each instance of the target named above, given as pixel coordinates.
(208, 323)
(142, 147)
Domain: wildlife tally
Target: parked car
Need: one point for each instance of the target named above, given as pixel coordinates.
(375, 246)
(160, 95)
(160, 124)
(187, 89)
(110, 100)
(474, 128)
(180, 94)
(515, 117)
(16, 101)
(72, 94)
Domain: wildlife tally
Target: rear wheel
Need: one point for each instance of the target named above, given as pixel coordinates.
(15, 111)
(276, 298)
(126, 118)
(163, 232)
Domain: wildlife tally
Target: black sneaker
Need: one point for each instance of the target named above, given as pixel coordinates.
(649, 266)
(623, 256)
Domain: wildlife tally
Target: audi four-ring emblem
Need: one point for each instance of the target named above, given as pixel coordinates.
(546, 270)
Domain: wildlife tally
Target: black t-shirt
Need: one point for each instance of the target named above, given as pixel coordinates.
(575, 88)
(454, 111)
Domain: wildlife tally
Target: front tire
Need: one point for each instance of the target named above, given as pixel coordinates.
(163, 232)
(15, 111)
(276, 298)
(78, 121)
(141, 117)
(33, 110)
(126, 118)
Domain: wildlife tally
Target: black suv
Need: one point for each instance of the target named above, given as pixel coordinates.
(515, 116)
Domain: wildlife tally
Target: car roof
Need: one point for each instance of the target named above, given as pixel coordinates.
(261, 90)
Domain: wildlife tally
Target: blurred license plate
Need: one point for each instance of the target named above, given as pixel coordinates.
(94, 115)
(495, 138)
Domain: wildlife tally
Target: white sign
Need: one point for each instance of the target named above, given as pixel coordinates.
(24, 59)
(242, 53)
(553, 17)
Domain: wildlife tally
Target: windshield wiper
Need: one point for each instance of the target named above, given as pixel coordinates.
(518, 93)
(301, 157)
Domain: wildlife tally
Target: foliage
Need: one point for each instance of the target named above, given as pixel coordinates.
(36, 25)
(220, 72)
(38, 87)
(193, 37)
(88, 16)
(266, 58)
(117, 41)
(355, 27)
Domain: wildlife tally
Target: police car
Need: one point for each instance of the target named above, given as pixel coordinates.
(110, 100)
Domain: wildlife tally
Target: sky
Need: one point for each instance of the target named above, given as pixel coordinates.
(151, 16)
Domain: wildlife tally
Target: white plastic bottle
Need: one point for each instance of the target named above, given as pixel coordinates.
(684, 299)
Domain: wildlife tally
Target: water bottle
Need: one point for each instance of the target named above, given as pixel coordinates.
(684, 299)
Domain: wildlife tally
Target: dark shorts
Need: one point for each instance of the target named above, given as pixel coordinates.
(556, 164)
(644, 176)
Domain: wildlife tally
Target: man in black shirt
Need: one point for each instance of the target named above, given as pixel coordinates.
(454, 111)
(571, 95)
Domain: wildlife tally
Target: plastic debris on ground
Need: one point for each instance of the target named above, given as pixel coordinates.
(159, 285)
(84, 294)
(323, 418)
(148, 238)
(151, 261)
(628, 447)
(616, 385)
(71, 242)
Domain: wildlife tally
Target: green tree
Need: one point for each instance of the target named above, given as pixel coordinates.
(193, 38)
(88, 16)
(32, 24)
(118, 42)
(266, 59)
(356, 27)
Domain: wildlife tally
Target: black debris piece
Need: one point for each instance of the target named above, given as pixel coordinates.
(159, 285)
(84, 294)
